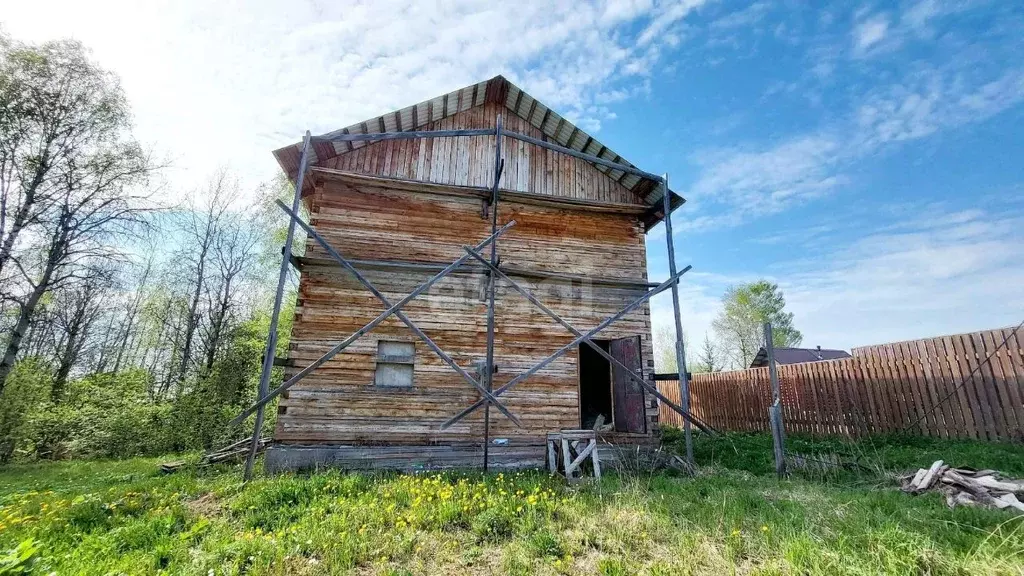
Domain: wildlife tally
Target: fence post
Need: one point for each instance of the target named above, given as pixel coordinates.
(775, 410)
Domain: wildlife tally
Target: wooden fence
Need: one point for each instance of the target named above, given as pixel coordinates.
(912, 386)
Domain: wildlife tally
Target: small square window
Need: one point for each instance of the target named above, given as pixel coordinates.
(395, 362)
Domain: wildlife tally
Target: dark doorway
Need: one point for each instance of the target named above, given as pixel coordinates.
(595, 386)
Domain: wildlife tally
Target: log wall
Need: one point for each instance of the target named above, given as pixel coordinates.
(338, 404)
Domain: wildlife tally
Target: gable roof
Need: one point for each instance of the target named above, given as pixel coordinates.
(797, 356)
(497, 90)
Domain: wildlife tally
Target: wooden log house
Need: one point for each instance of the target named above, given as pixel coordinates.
(403, 209)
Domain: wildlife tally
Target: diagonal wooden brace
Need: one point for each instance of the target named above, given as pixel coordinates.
(614, 361)
(362, 331)
(400, 315)
(563, 350)
(571, 467)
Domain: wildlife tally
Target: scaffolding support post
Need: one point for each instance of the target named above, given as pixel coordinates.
(282, 277)
(775, 410)
(684, 378)
(489, 367)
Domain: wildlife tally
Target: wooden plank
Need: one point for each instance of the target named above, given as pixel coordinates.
(997, 394)
(953, 378)
(1013, 367)
(1004, 381)
(960, 373)
(825, 386)
(919, 409)
(844, 401)
(900, 390)
(889, 390)
(986, 400)
(859, 405)
(864, 411)
(881, 416)
(940, 413)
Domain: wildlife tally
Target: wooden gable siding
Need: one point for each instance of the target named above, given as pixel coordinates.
(338, 403)
(469, 161)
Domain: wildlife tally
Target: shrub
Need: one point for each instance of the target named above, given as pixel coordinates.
(28, 387)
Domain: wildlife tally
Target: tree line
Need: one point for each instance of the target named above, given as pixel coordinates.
(128, 325)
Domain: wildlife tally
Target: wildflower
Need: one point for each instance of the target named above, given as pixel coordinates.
(736, 532)
(764, 528)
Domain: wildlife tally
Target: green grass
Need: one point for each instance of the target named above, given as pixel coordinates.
(735, 517)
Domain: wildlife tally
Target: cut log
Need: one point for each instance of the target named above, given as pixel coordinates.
(1008, 501)
(991, 483)
(930, 477)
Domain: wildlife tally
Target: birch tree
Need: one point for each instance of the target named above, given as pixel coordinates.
(740, 324)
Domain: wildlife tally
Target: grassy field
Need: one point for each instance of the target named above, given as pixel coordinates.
(734, 517)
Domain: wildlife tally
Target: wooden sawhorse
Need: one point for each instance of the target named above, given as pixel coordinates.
(571, 448)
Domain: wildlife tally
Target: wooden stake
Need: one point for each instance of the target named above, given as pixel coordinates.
(684, 378)
(775, 411)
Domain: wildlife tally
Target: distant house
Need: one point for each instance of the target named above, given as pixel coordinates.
(797, 355)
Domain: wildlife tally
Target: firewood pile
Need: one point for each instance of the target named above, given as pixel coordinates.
(966, 486)
(228, 453)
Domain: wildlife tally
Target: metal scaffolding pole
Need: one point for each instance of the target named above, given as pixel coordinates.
(489, 367)
(684, 381)
(282, 277)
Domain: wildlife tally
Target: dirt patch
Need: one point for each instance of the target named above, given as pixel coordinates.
(205, 505)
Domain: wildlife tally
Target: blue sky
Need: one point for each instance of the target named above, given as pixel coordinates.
(864, 155)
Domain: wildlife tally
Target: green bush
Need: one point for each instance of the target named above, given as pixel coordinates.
(27, 388)
(114, 414)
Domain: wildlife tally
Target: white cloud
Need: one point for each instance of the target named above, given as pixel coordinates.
(738, 184)
(744, 18)
(869, 34)
(223, 83)
(667, 15)
(944, 271)
(933, 100)
(764, 181)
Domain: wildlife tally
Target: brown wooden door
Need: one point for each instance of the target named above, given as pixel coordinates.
(628, 394)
